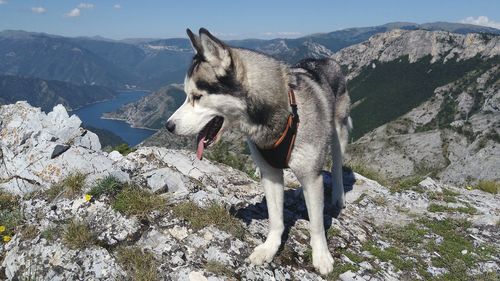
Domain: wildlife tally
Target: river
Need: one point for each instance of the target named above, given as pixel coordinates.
(91, 116)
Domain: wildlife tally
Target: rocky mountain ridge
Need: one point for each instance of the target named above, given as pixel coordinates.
(47, 93)
(416, 44)
(453, 130)
(70, 211)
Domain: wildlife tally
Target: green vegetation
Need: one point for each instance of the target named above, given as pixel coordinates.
(488, 186)
(107, 138)
(339, 269)
(367, 172)
(447, 195)
(222, 153)
(124, 149)
(407, 242)
(29, 232)
(215, 214)
(218, 269)
(383, 98)
(135, 201)
(352, 256)
(10, 214)
(408, 183)
(140, 265)
(392, 254)
(332, 232)
(50, 233)
(108, 185)
(78, 235)
(70, 186)
(437, 208)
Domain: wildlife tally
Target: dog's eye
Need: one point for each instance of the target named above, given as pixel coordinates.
(196, 97)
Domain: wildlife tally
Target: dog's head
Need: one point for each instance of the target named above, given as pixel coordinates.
(212, 90)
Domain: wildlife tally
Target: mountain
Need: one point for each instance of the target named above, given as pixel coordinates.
(152, 110)
(161, 214)
(153, 63)
(393, 72)
(425, 103)
(48, 93)
(57, 58)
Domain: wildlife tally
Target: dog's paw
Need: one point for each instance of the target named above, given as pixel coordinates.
(262, 254)
(323, 262)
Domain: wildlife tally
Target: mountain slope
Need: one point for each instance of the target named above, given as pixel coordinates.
(153, 110)
(394, 72)
(56, 58)
(426, 103)
(48, 93)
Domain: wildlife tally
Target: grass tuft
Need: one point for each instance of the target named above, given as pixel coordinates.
(77, 235)
(215, 214)
(134, 201)
(109, 185)
(218, 268)
(409, 183)
(124, 149)
(368, 172)
(139, 264)
(437, 208)
(10, 213)
(70, 186)
(488, 186)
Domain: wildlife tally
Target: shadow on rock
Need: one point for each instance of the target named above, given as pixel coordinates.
(295, 206)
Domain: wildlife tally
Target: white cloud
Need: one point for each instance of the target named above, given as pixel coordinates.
(481, 20)
(38, 10)
(3, 2)
(117, 6)
(73, 13)
(85, 6)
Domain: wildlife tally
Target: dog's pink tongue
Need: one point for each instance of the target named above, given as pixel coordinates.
(201, 147)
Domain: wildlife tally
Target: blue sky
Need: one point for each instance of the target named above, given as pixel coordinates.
(231, 19)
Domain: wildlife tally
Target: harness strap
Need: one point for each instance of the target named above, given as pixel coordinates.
(279, 153)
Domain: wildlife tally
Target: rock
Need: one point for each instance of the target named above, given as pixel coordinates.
(115, 155)
(58, 150)
(182, 251)
(350, 276)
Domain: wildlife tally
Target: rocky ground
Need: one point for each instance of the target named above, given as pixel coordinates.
(70, 211)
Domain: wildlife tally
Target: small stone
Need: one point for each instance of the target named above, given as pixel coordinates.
(58, 150)
(197, 276)
(464, 252)
(178, 232)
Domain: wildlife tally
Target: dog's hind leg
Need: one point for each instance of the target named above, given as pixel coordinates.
(339, 141)
(272, 181)
(312, 184)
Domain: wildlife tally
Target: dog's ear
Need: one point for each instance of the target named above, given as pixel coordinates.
(214, 50)
(195, 41)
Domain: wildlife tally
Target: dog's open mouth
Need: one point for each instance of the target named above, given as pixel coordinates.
(208, 135)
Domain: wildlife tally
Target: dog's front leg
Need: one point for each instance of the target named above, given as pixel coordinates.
(272, 182)
(312, 184)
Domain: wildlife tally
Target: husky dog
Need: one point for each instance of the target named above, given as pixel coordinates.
(229, 87)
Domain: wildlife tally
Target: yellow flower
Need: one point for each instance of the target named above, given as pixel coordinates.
(88, 197)
(2, 228)
(6, 238)
(469, 187)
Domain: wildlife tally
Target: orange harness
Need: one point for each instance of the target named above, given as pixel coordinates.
(279, 153)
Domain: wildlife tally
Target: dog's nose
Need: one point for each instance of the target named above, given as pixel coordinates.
(170, 126)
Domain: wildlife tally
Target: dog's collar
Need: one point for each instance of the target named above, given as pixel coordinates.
(279, 153)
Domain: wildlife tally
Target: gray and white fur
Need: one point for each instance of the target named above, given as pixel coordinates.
(249, 90)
